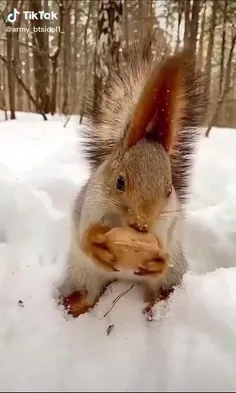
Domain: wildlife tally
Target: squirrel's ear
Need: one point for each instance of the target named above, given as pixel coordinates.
(161, 105)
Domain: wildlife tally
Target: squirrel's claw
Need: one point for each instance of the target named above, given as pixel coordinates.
(152, 268)
(102, 255)
(94, 245)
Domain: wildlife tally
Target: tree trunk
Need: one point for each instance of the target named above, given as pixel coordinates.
(202, 33)
(108, 44)
(226, 87)
(16, 56)
(222, 57)
(54, 60)
(3, 105)
(28, 64)
(168, 15)
(86, 60)
(126, 26)
(196, 6)
(41, 59)
(210, 48)
(187, 7)
(66, 65)
(10, 75)
(75, 48)
(180, 14)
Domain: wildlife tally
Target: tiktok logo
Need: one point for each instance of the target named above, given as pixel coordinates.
(13, 16)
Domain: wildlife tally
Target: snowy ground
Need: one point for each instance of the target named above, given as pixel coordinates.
(191, 345)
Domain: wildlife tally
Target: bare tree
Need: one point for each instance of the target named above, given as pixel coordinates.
(227, 85)
(86, 59)
(222, 55)
(67, 56)
(108, 42)
(75, 44)
(126, 28)
(201, 39)
(10, 73)
(210, 47)
(41, 59)
(3, 105)
(196, 6)
(187, 8)
(27, 60)
(16, 54)
(191, 13)
(180, 15)
(26, 89)
(54, 60)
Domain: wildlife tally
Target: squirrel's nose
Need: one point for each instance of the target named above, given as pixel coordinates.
(140, 227)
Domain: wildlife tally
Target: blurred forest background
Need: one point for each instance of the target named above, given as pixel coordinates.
(51, 71)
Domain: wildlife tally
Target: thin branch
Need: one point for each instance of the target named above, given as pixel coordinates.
(117, 299)
(2, 16)
(21, 83)
(79, 89)
(227, 16)
(70, 5)
(31, 46)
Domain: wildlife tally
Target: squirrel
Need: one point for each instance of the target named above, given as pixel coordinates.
(140, 145)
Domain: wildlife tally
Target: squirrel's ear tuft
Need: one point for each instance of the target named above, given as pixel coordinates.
(162, 104)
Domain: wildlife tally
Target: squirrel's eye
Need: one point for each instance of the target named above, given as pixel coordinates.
(169, 192)
(120, 183)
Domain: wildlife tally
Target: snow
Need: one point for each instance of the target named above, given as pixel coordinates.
(190, 345)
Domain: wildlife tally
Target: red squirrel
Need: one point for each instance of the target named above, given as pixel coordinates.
(140, 145)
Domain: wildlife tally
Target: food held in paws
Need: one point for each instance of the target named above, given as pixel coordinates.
(135, 250)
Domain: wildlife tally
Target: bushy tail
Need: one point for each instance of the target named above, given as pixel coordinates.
(121, 95)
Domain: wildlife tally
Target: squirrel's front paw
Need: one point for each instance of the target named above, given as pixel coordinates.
(96, 246)
(155, 267)
(153, 295)
(102, 254)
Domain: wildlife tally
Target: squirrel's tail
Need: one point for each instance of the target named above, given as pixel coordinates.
(105, 125)
(123, 90)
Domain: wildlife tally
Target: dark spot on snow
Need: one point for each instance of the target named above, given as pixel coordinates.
(20, 303)
(109, 329)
